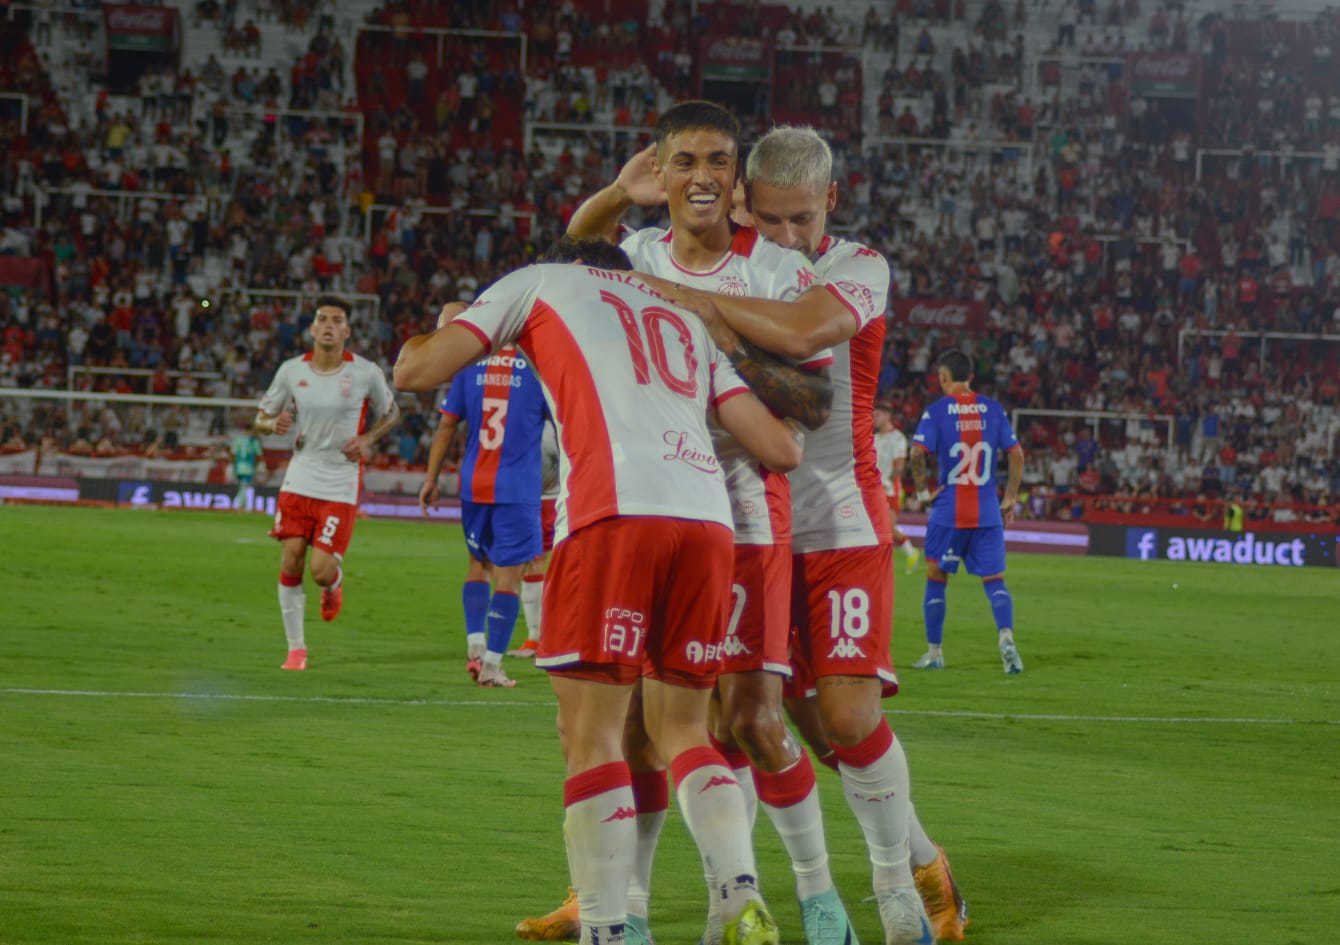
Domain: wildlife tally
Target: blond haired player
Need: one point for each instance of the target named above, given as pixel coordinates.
(843, 583)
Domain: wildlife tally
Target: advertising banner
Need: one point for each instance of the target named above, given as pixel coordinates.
(141, 29)
(1164, 74)
(1268, 549)
(958, 314)
(735, 59)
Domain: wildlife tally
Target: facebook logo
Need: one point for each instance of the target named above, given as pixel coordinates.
(1142, 543)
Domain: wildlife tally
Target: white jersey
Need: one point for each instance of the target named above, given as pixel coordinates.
(889, 448)
(837, 497)
(329, 410)
(629, 382)
(755, 267)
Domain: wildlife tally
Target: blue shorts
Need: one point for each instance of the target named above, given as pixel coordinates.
(982, 550)
(506, 535)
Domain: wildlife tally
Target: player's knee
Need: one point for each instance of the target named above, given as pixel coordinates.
(324, 570)
(849, 723)
(760, 732)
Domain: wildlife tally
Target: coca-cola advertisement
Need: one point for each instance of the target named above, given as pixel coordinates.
(1164, 74)
(954, 314)
(141, 29)
(735, 58)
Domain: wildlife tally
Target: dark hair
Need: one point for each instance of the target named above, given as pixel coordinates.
(958, 364)
(597, 253)
(697, 113)
(334, 301)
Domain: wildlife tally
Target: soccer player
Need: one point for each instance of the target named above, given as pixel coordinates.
(502, 406)
(642, 555)
(246, 450)
(966, 432)
(324, 396)
(843, 582)
(692, 168)
(891, 459)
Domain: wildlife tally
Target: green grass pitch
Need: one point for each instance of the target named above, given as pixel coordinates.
(1167, 769)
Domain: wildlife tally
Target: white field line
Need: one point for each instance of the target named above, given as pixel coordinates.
(361, 700)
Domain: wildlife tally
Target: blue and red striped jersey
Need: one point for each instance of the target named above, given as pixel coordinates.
(968, 433)
(500, 400)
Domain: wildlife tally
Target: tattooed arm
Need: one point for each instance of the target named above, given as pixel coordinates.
(805, 396)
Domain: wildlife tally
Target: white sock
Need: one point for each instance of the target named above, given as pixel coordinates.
(799, 821)
(713, 808)
(292, 604)
(600, 838)
(532, 600)
(908, 548)
(878, 793)
(745, 776)
(923, 849)
(474, 644)
(649, 824)
(339, 578)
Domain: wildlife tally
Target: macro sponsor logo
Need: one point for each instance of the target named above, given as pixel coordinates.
(682, 452)
(506, 360)
(1151, 544)
(957, 409)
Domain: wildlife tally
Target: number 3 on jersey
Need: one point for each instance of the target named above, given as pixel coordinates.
(654, 321)
(495, 421)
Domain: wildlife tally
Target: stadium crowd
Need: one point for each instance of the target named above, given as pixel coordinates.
(1118, 269)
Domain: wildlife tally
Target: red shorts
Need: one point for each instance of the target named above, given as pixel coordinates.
(548, 514)
(760, 620)
(640, 595)
(842, 608)
(326, 525)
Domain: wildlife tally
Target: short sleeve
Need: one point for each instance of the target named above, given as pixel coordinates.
(278, 395)
(860, 281)
(498, 316)
(926, 435)
(454, 403)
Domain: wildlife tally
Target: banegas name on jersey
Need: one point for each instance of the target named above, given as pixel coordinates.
(494, 378)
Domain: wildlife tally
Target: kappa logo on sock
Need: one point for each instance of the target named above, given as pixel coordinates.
(717, 780)
(620, 813)
(874, 798)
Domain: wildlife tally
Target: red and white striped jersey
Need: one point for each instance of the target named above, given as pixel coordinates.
(629, 380)
(328, 410)
(837, 496)
(754, 266)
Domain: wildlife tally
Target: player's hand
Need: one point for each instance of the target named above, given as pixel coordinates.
(449, 313)
(638, 179)
(284, 422)
(1007, 509)
(428, 496)
(356, 449)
